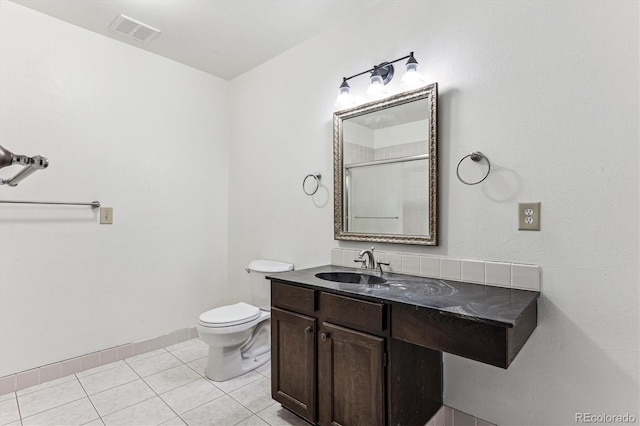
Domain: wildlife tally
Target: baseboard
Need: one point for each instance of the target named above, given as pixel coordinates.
(46, 373)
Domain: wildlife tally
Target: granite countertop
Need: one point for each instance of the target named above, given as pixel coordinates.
(492, 305)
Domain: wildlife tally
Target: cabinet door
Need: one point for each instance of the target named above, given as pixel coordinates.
(293, 362)
(350, 376)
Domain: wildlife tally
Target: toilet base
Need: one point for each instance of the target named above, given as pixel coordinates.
(246, 351)
(224, 364)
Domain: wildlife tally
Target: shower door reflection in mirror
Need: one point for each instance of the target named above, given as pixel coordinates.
(385, 170)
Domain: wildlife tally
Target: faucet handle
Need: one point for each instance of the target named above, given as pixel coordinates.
(380, 263)
(361, 261)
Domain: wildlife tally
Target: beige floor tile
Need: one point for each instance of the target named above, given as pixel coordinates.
(145, 355)
(181, 344)
(74, 413)
(121, 397)
(191, 352)
(199, 365)
(237, 382)
(100, 369)
(46, 385)
(223, 411)
(172, 378)
(275, 415)
(117, 392)
(176, 421)
(256, 396)
(96, 422)
(253, 421)
(152, 365)
(150, 412)
(192, 395)
(46, 399)
(108, 379)
(265, 369)
(9, 410)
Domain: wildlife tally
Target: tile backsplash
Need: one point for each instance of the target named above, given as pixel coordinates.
(499, 274)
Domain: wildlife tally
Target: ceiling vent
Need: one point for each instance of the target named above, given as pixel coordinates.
(134, 29)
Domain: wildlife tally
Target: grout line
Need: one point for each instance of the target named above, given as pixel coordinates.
(197, 372)
(156, 393)
(186, 384)
(145, 382)
(15, 395)
(57, 406)
(146, 357)
(251, 415)
(89, 398)
(264, 409)
(101, 371)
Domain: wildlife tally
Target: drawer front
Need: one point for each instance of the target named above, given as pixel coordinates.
(298, 299)
(354, 313)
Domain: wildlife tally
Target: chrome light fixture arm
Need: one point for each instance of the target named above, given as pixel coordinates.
(31, 165)
(385, 69)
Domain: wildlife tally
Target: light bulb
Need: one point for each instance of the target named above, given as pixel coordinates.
(412, 79)
(376, 89)
(344, 99)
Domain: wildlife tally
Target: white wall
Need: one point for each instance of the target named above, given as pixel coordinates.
(549, 92)
(142, 134)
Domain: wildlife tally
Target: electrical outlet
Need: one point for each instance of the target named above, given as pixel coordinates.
(529, 216)
(106, 215)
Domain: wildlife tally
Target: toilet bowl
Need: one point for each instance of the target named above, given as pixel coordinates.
(239, 335)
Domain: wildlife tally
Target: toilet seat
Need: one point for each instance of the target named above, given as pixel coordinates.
(230, 315)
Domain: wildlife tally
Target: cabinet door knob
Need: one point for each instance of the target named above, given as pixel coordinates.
(308, 330)
(323, 336)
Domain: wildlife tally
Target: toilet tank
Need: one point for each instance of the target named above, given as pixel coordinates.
(260, 286)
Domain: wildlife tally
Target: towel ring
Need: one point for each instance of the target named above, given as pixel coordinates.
(475, 157)
(316, 177)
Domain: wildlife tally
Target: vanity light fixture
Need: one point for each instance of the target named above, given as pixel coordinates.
(380, 75)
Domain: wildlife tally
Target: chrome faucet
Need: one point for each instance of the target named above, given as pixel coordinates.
(367, 262)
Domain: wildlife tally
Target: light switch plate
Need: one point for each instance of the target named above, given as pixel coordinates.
(529, 216)
(106, 215)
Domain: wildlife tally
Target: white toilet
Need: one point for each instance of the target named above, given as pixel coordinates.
(239, 336)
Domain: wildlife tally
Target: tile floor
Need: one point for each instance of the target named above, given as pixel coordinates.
(162, 387)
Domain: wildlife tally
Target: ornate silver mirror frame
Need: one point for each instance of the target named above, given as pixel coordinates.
(341, 190)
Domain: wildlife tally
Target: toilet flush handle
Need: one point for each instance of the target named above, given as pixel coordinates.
(247, 270)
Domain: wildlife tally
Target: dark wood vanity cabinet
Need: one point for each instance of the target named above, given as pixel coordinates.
(345, 354)
(293, 354)
(333, 362)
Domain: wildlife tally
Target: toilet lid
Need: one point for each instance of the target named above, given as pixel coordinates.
(229, 315)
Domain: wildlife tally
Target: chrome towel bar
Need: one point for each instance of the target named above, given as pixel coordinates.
(93, 204)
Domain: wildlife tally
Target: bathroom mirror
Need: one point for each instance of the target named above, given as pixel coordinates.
(385, 170)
